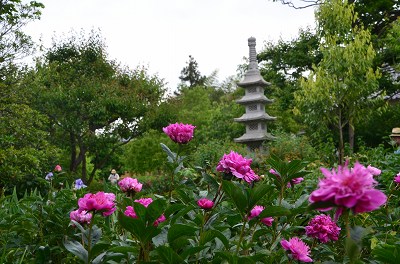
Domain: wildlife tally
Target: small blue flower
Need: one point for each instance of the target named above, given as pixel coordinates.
(397, 151)
(49, 176)
(79, 184)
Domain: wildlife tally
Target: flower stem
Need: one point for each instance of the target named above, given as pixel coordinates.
(241, 236)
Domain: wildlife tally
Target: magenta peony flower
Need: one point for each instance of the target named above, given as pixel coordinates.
(256, 211)
(374, 171)
(237, 165)
(99, 202)
(130, 185)
(179, 133)
(294, 182)
(298, 249)
(205, 204)
(349, 188)
(397, 178)
(130, 211)
(144, 201)
(323, 228)
(159, 220)
(81, 216)
(58, 168)
(267, 221)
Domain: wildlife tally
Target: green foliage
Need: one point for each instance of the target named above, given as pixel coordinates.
(14, 43)
(91, 101)
(338, 92)
(144, 153)
(290, 147)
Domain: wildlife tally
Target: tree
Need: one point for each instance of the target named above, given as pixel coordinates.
(191, 73)
(14, 43)
(340, 91)
(95, 105)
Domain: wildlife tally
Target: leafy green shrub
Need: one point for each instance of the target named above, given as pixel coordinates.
(291, 147)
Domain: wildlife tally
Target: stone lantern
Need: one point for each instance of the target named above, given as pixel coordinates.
(254, 101)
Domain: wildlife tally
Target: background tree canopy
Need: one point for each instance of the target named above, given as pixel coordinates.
(95, 105)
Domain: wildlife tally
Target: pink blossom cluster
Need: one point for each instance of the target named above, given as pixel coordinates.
(292, 181)
(98, 202)
(397, 178)
(238, 166)
(256, 211)
(324, 228)
(351, 188)
(297, 248)
(81, 216)
(205, 204)
(180, 133)
(130, 185)
(130, 211)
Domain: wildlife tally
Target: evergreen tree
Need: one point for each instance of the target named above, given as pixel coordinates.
(191, 74)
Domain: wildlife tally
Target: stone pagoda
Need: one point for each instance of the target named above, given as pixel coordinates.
(254, 100)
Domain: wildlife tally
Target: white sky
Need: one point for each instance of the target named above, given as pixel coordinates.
(161, 34)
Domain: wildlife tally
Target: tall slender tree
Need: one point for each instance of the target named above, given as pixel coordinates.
(341, 89)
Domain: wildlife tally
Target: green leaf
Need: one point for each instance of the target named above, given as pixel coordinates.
(167, 255)
(236, 194)
(211, 234)
(274, 211)
(135, 226)
(210, 180)
(320, 205)
(191, 251)
(386, 253)
(257, 193)
(77, 249)
(155, 210)
(171, 155)
(352, 249)
(178, 230)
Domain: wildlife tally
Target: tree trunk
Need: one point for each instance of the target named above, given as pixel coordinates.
(72, 144)
(341, 143)
(82, 155)
(351, 135)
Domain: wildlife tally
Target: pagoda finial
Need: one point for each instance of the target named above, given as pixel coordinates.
(252, 53)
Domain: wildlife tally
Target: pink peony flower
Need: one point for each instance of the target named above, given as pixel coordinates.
(374, 171)
(130, 185)
(238, 166)
(180, 133)
(267, 221)
(100, 202)
(58, 168)
(81, 216)
(298, 249)
(159, 220)
(397, 178)
(349, 188)
(130, 211)
(323, 228)
(294, 182)
(205, 204)
(256, 211)
(144, 201)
